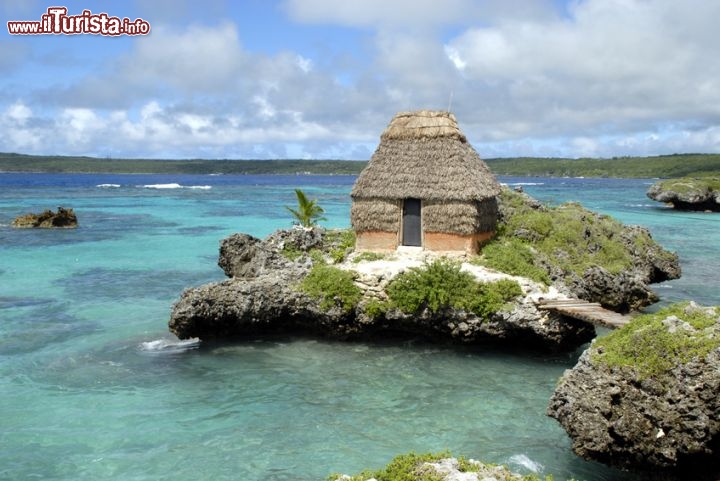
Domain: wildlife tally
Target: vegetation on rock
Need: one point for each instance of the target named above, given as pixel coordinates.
(368, 256)
(514, 257)
(441, 284)
(689, 193)
(533, 240)
(689, 184)
(569, 236)
(340, 243)
(332, 245)
(654, 344)
(332, 287)
(308, 212)
(416, 467)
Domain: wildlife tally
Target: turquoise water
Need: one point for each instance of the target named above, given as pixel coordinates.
(93, 386)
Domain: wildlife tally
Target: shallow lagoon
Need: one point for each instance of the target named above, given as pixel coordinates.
(88, 393)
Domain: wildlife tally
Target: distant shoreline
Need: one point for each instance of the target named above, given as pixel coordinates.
(663, 166)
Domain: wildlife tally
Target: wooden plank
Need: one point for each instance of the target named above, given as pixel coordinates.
(591, 312)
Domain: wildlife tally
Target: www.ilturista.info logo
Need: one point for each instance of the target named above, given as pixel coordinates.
(56, 21)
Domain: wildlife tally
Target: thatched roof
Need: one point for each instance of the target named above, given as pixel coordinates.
(423, 124)
(424, 155)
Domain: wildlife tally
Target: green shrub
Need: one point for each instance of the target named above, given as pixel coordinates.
(341, 242)
(514, 257)
(368, 256)
(332, 287)
(646, 345)
(292, 252)
(441, 284)
(317, 256)
(376, 308)
(568, 236)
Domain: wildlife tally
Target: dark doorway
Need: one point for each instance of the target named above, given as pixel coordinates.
(412, 225)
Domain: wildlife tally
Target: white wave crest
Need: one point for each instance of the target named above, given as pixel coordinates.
(169, 345)
(525, 462)
(528, 183)
(176, 186)
(108, 186)
(162, 186)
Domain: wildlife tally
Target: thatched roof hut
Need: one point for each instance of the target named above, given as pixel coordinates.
(426, 186)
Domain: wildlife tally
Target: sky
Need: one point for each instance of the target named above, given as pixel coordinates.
(321, 79)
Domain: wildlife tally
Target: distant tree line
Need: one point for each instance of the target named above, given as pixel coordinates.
(663, 166)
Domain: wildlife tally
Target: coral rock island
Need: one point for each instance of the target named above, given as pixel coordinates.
(646, 396)
(688, 193)
(311, 281)
(63, 219)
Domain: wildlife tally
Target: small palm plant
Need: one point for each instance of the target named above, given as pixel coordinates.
(308, 212)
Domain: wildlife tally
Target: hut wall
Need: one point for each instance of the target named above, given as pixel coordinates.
(376, 241)
(458, 217)
(441, 242)
(375, 215)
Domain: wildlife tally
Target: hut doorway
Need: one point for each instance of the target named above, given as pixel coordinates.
(412, 223)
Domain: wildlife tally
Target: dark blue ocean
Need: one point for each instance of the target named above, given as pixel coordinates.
(93, 387)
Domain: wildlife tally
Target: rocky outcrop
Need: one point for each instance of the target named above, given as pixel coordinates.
(687, 193)
(647, 397)
(63, 218)
(245, 256)
(623, 290)
(262, 297)
(263, 294)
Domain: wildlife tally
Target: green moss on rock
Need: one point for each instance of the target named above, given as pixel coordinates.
(654, 344)
(686, 185)
(568, 236)
(416, 467)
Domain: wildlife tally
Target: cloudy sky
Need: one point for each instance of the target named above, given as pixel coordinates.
(322, 78)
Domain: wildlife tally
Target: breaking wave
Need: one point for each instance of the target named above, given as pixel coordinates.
(169, 345)
(176, 186)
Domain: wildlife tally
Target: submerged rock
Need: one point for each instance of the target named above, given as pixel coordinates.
(646, 396)
(63, 218)
(699, 194)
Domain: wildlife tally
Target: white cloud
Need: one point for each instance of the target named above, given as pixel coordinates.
(617, 66)
(305, 64)
(18, 112)
(605, 77)
(198, 59)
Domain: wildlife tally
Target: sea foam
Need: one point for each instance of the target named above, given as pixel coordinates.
(176, 186)
(525, 462)
(169, 345)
